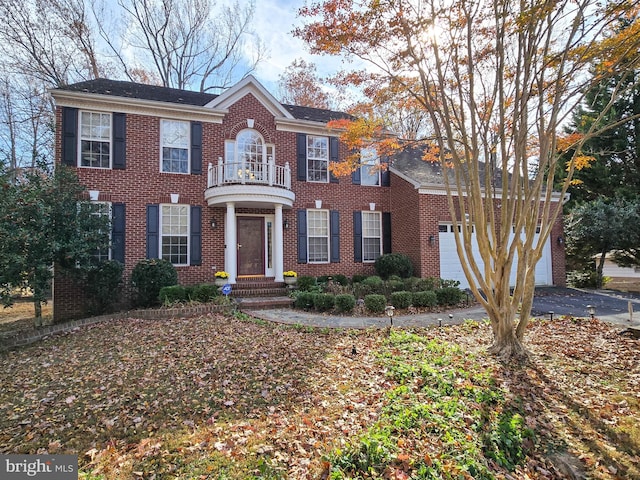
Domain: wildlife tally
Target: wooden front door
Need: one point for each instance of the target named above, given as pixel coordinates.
(250, 246)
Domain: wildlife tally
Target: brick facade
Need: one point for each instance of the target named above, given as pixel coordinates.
(414, 216)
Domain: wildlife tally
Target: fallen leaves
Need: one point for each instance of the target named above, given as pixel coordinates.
(187, 397)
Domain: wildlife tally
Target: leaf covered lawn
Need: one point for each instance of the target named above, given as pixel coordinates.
(223, 397)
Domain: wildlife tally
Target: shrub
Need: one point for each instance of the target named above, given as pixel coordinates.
(205, 292)
(345, 302)
(341, 279)
(449, 295)
(426, 284)
(393, 264)
(411, 283)
(324, 301)
(582, 279)
(370, 285)
(395, 285)
(103, 285)
(323, 279)
(149, 276)
(303, 299)
(172, 295)
(358, 277)
(424, 299)
(375, 303)
(449, 283)
(306, 283)
(401, 299)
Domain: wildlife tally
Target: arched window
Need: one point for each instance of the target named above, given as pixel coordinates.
(246, 157)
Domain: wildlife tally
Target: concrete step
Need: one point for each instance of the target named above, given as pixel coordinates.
(258, 303)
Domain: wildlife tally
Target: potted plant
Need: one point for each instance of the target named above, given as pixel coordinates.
(290, 277)
(221, 278)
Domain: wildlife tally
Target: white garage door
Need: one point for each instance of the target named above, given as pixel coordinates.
(451, 268)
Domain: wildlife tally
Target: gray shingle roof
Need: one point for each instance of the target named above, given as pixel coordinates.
(118, 88)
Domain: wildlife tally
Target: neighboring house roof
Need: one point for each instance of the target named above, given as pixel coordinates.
(141, 91)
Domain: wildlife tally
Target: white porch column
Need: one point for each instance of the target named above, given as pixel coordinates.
(278, 246)
(231, 243)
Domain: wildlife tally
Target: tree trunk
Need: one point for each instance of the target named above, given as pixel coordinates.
(506, 345)
(599, 269)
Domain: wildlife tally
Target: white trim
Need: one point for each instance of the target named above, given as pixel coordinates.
(249, 85)
(187, 235)
(362, 216)
(307, 127)
(161, 135)
(328, 236)
(91, 139)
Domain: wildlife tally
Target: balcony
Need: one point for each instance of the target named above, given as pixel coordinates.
(249, 184)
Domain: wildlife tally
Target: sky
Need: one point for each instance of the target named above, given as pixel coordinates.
(274, 21)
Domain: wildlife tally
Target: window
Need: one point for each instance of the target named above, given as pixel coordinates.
(95, 139)
(371, 236)
(317, 159)
(369, 171)
(175, 139)
(247, 157)
(102, 209)
(174, 234)
(318, 236)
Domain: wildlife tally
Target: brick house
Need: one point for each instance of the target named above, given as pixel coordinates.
(239, 182)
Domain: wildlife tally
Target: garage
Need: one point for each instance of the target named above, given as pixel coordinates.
(451, 268)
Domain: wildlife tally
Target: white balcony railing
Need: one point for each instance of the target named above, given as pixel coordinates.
(253, 173)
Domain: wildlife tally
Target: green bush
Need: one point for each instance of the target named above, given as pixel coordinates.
(204, 292)
(341, 279)
(358, 277)
(424, 299)
(449, 283)
(393, 264)
(303, 300)
(172, 295)
(324, 301)
(149, 276)
(411, 283)
(103, 284)
(345, 302)
(401, 299)
(395, 285)
(426, 284)
(582, 279)
(306, 283)
(373, 281)
(375, 303)
(449, 295)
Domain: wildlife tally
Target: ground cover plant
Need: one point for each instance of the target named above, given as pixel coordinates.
(229, 397)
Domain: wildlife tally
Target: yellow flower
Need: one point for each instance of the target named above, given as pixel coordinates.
(290, 273)
(222, 275)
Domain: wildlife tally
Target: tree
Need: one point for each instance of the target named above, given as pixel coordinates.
(43, 222)
(301, 85)
(497, 79)
(186, 45)
(601, 226)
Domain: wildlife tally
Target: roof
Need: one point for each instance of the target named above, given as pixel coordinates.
(142, 91)
(410, 164)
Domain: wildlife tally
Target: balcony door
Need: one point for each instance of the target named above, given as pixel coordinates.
(251, 246)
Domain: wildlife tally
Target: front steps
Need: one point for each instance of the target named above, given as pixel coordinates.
(255, 293)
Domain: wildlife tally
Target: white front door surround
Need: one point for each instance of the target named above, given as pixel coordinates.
(273, 240)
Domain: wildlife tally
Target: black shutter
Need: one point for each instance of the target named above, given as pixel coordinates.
(196, 235)
(118, 212)
(196, 148)
(302, 236)
(357, 236)
(334, 227)
(356, 178)
(385, 174)
(153, 231)
(333, 156)
(386, 232)
(119, 141)
(70, 136)
(301, 155)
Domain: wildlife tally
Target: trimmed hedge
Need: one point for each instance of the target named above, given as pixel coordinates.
(324, 301)
(172, 295)
(205, 292)
(345, 302)
(306, 283)
(149, 276)
(304, 300)
(394, 264)
(449, 295)
(375, 303)
(424, 299)
(401, 299)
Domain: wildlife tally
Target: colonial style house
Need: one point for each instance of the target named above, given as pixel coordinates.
(240, 182)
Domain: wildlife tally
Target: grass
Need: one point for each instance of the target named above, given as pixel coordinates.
(217, 397)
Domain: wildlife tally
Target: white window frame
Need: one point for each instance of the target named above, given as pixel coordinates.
(186, 234)
(314, 158)
(367, 235)
(236, 167)
(187, 147)
(327, 236)
(370, 160)
(90, 129)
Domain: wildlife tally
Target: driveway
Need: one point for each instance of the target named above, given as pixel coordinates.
(611, 306)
